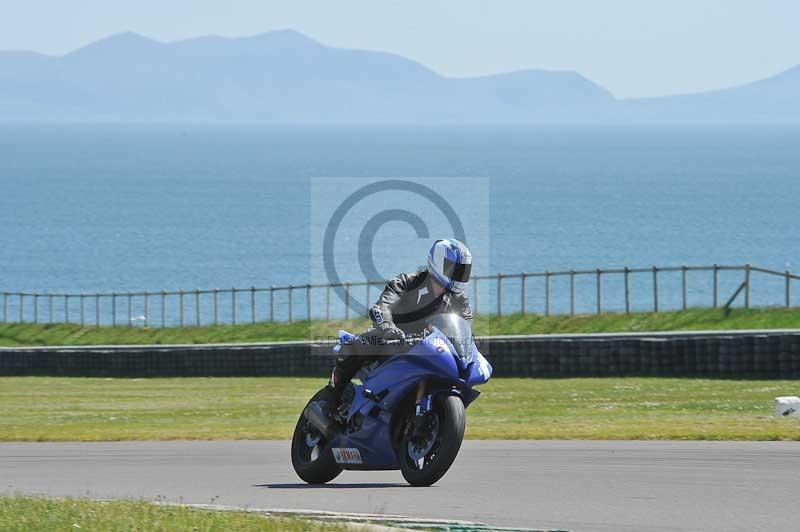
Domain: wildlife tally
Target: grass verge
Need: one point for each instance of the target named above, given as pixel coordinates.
(92, 409)
(18, 513)
(15, 334)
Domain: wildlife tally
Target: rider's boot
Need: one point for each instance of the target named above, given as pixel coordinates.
(322, 412)
(340, 378)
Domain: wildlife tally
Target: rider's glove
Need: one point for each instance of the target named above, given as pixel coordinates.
(391, 332)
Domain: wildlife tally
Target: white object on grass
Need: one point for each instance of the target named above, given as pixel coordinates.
(787, 406)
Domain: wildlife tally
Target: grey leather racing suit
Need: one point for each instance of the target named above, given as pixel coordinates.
(405, 304)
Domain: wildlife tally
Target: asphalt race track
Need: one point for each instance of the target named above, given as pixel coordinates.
(572, 485)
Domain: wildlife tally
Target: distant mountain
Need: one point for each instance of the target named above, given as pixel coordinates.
(775, 99)
(286, 77)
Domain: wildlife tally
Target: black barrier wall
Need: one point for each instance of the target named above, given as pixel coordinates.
(768, 356)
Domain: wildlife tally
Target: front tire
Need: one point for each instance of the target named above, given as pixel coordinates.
(425, 459)
(312, 458)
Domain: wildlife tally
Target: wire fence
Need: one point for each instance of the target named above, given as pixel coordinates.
(650, 289)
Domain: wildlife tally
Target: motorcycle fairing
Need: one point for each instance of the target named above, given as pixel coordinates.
(373, 441)
(479, 371)
(396, 377)
(433, 358)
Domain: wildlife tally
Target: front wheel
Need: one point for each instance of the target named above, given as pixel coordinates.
(312, 458)
(427, 455)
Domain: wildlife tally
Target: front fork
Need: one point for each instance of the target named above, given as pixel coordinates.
(422, 405)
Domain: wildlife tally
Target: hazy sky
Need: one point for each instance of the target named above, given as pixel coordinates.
(632, 47)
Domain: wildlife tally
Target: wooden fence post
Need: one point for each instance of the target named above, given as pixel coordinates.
(627, 290)
(233, 305)
(308, 301)
(599, 292)
(216, 306)
(683, 285)
(747, 286)
(716, 284)
(291, 289)
(272, 303)
(197, 307)
(328, 303)
(347, 301)
(547, 293)
(788, 290)
(655, 289)
(252, 304)
(572, 292)
(499, 294)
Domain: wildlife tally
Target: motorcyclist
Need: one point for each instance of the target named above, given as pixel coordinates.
(405, 305)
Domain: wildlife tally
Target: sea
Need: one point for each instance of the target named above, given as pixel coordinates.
(112, 207)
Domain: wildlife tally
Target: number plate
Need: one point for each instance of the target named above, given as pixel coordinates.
(346, 455)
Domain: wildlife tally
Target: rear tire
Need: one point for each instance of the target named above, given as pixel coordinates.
(313, 463)
(442, 447)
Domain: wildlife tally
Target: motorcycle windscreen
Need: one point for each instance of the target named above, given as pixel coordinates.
(458, 331)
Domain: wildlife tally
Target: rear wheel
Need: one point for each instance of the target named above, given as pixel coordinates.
(312, 458)
(427, 455)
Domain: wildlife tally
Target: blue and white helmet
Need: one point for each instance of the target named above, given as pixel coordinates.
(450, 263)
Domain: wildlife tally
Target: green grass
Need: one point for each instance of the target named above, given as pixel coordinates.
(693, 319)
(84, 409)
(23, 514)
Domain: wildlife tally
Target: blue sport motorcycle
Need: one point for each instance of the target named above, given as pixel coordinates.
(408, 414)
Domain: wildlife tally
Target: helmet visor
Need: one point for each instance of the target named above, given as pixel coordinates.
(457, 272)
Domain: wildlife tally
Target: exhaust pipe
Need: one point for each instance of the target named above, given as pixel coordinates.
(321, 422)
